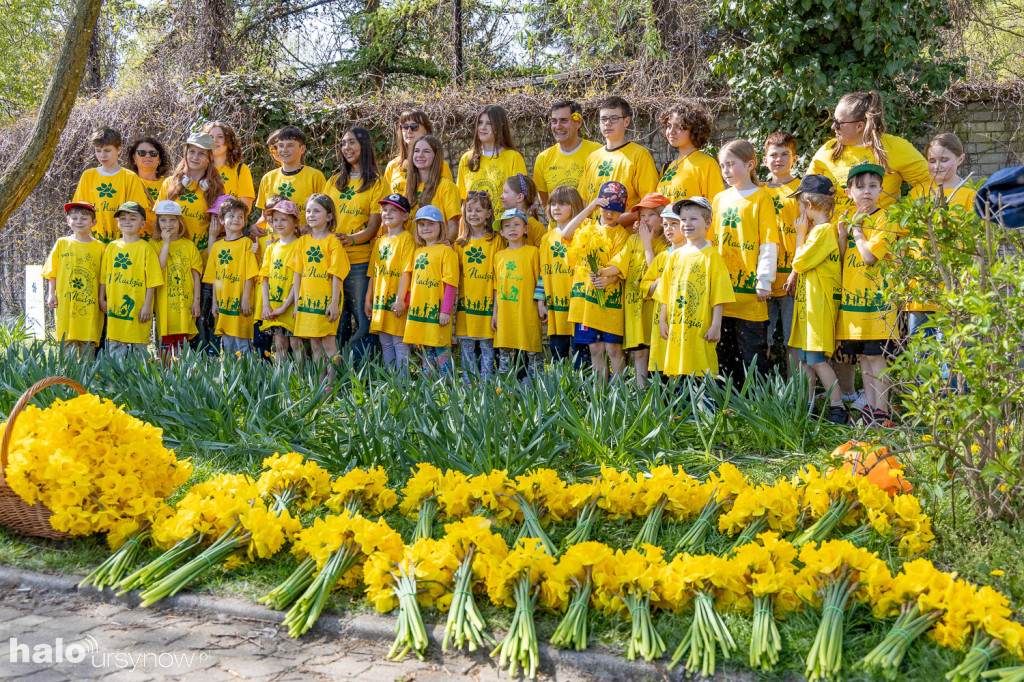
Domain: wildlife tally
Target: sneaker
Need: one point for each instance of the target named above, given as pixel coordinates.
(838, 414)
(883, 419)
(860, 402)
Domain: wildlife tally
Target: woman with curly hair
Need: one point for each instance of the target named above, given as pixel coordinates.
(687, 127)
(148, 159)
(227, 157)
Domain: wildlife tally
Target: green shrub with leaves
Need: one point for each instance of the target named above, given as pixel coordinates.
(789, 62)
(965, 387)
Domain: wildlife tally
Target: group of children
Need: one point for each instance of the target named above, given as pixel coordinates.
(683, 270)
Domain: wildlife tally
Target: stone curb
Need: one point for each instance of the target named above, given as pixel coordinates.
(595, 663)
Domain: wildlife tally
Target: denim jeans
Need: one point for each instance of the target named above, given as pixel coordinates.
(206, 340)
(354, 325)
(562, 348)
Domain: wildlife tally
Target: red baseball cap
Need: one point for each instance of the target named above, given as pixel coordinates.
(79, 204)
(652, 200)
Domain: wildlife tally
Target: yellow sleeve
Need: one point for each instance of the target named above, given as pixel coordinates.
(881, 241)
(624, 257)
(50, 268)
(136, 192)
(820, 163)
(815, 250)
(646, 174)
(538, 176)
(719, 283)
(295, 262)
(210, 275)
(450, 268)
(163, 190)
(376, 194)
(586, 180)
(244, 186)
(263, 195)
(154, 275)
(447, 172)
(195, 261)
(907, 161)
(267, 262)
(653, 274)
(664, 291)
(768, 221)
(517, 164)
(339, 261)
(463, 183)
(250, 266)
(452, 207)
(82, 191)
(713, 181)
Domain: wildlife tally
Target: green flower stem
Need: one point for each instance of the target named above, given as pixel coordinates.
(425, 517)
(531, 524)
(231, 541)
(519, 647)
(1012, 674)
(410, 633)
(693, 541)
(765, 642)
(586, 520)
(825, 657)
(910, 624)
(707, 631)
(301, 617)
(161, 566)
(464, 625)
(288, 591)
(115, 566)
(983, 651)
(822, 529)
(571, 632)
(644, 639)
(649, 532)
(750, 533)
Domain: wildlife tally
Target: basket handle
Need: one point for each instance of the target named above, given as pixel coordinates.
(20, 405)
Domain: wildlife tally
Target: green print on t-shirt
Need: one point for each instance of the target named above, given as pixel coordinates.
(558, 250)
(669, 173)
(123, 311)
(421, 262)
(314, 254)
(430, 315)
(122, 261)
(285, 189)
(153, 192)
(225, 257)
(314, 307)
(106, 190)
(475, 255)
(347, 193)
(189, 196)
(731, 217)
(384, 252)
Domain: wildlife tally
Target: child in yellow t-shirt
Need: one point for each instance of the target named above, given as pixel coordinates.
(687, 127)
(746, 233)
(476, 246)
(779, 154)
(277, 281)
(72, 275)
(630, 265)
(520, 193)
(108, 186)
(388, 289)
(320, 265)
(519, 308)
(649, 285)
(598, 319)
(816, 271)
(427, 186)
(564, 204)
(294, 180)
(131, 274)
(232, 270)
(493, 157)
(692, 292)
(432, 292)
(177, 301)
(867, 322)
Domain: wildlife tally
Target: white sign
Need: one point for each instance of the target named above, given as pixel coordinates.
(35, 302)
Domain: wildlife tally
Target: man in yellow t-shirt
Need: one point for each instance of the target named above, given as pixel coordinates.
(109, 185)
(561, 164)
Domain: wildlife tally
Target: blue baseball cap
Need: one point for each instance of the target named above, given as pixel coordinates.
(429, 213)
(510, 213)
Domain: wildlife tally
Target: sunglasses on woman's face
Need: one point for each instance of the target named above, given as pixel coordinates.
(142, 152)
(410, 126)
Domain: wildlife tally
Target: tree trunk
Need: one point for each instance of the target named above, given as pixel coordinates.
(27, 169)
(668, 23)
(92, 79)
(458, 66)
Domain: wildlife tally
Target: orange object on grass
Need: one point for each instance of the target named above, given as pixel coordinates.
(873, 462)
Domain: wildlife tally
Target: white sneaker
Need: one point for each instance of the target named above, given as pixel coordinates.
(861, 402)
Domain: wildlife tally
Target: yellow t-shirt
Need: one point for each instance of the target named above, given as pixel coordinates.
(174, 297)
(446, 199)
(318, 261)
(476, 287)
(237, 181)
(693, 283)
(395, 174)
(76, 266)
(694, 175)
(231, 265)
(864, 314)
(962, 196)
(535, 232)
(787, 211)
(193, 213)
(905, 163)
(296, 187)
(818, 291)
(516, 272)
(554, 168)
(630, 164)
(152, 189)
(352, 211)
(129, 269)
(491, 175)
(741, 225)
(280, 279)
(637, 312)
(106, 193)
(583, 305)
(432, 267)
(392, 257)
(659, 346)
(557, 276)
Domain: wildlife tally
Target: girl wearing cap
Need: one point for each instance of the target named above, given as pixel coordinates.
(519, 307)
(432, 291)
(427, 186)
(356, 189)
(492, 158)
(518, 192)
(388, 286)
(177, 299)
(412, 125)
(687, 127)
(477, 244)
(148, 159)
(227, 157)
(194, 185)
(277, 281)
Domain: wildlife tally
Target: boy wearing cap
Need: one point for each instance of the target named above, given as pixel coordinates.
(867, 323)
(630, 265)
(131, 275)
(177, 300)
(598, 326)
(619, 160)
(518, 312)
(694, 287)
(72, 274)
(818, 288)
(108, 185)
(779, 153)
(232, 270)
(389, 276)
(649, 284)
(293, 180)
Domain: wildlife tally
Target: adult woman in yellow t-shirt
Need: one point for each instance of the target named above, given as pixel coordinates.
(412, 125)
(355, 189)
(493, 158)
(148, 159)
(227, 157)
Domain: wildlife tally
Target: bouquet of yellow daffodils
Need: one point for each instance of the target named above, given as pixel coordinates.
(590, 244)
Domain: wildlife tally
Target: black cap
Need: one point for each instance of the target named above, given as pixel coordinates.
(815, 184)
(398, 201)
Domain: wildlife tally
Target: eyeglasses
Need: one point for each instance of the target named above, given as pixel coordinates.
(611, 119)
(410, 126)
(836, 123)
(141, 152)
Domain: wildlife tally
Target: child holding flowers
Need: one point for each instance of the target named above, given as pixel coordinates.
(277, 279)
(435, 279)
(78, 257)
(320, 264)
(476, 246)
(520, 193)
(232, 270)
(177, 300)
(389, 281)
(564, 204)
(596, 310)
(516, 275)
(693, 292)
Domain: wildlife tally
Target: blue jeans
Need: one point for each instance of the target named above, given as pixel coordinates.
(353, 309)
(563, 348)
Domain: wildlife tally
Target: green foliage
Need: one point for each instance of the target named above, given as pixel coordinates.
(965, 388)
(790, 61)
(30, 36)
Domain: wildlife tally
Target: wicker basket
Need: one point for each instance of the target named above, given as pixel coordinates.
(16, 513)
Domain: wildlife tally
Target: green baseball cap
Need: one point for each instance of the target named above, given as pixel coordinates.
(866, 167)
(130, 207)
